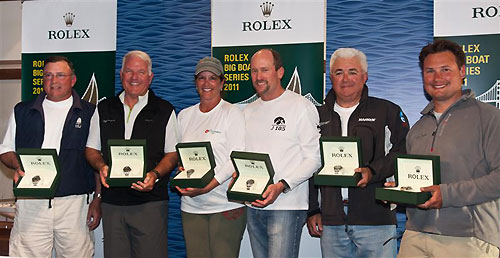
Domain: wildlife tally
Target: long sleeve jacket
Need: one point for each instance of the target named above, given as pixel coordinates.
(382, 127)
(467, 139)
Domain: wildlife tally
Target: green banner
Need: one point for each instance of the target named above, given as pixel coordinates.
(303, 63)
(94, 70)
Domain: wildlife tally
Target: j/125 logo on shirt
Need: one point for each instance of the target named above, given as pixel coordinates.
(279, 124)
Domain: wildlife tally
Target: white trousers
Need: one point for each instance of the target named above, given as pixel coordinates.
(37, 228)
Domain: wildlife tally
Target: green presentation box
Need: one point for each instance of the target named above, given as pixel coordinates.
(198, 162)
(254, 174)
(41, 173)
(127, 162)
(412, 173)
(339, 157)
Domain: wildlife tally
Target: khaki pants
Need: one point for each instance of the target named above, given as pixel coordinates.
(214, 235)
(418, 244)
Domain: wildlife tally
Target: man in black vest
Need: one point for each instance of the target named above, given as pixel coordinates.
(135, 217)
(56, 119)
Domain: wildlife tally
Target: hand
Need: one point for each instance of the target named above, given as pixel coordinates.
(390, 184)
(103, 174)
(270, 195)
(191, 192)
(436, 201)
(147, 185)
(233, 178)
(366, 176)
(18, 174)
(94, 214)
(314, 225)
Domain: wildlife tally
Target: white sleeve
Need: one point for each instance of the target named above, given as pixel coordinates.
(94, 139)
(309, 143)
(9, 140)
(235, 135)
(171, 134)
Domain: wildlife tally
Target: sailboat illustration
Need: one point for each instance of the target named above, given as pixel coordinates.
(294, 83)
(92, 92)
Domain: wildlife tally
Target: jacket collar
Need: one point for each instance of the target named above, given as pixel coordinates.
(331, 97)
(466, 95)
(37, 105)
(150, 103)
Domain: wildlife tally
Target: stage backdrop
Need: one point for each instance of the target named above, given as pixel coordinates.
(474, 24)
(296, 29)
(83, 31)
(177, 33)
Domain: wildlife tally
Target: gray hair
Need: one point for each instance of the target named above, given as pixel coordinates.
(142, 55)
(350, 53)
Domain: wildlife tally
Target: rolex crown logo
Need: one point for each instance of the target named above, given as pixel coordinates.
(267, 8)
(69, 17)
(127, 149)
(417, 169)
(252, 162)
(39, 159)
(341, 148)
(195, 153)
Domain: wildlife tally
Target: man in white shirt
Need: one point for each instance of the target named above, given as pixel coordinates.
(135, 217)
(284, 125)
(56, 119)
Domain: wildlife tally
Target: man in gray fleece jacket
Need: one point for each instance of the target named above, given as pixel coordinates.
(462, 218)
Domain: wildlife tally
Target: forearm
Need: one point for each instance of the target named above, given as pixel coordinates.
(94, 158)
(9, 159)
(303, 172)
(471, 192)
(97, 183)
(313, 198)
(167, 164)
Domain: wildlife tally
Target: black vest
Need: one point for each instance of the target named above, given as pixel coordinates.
(76, 175)
(150, 125)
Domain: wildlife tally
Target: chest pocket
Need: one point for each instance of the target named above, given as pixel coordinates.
(367, 136)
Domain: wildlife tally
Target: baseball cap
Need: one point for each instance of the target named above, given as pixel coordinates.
(210, 64)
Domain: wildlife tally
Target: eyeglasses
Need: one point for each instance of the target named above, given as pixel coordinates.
(59, 76)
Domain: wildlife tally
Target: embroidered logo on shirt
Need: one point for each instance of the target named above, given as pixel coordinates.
(367, 119)
(279, 124)
(210, 131)
(403, 119)
(108, 120)
(323, 123)
(78, 123)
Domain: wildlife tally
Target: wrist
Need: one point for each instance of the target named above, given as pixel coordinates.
(97, 196)
(285, 188)
(156, 173)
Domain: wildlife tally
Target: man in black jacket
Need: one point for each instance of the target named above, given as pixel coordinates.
(350, 222)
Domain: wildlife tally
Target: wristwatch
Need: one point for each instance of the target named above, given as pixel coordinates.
(157, 174)
(285, 184)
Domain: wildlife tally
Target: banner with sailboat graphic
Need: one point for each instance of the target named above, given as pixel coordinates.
(296, 29)
(83, 31)
(474, 25)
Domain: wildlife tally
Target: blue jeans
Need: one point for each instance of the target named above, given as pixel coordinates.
(358, 241)
(275, 233)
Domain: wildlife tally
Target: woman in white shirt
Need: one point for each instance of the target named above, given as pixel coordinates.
(213, 226)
